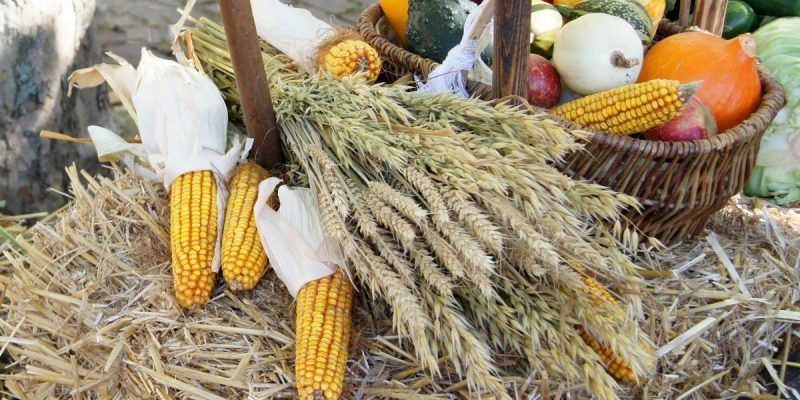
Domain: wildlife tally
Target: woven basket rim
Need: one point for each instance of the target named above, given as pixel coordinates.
(772, 98)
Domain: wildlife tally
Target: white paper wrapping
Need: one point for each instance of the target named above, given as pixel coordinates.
(449, 76)
(293, 237)
(293, 31)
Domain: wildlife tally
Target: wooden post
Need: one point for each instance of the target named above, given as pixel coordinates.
(684, 11)
(512, 27)
(251, 79)
(710, 15)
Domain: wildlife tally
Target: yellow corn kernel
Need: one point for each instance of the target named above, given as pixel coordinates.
(616, 366)
(660, 98)
(193, 236)
(243, 257)
(599, 295)
(350, 57)
(323, 333)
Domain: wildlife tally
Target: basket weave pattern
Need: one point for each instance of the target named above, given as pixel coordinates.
(679, 184)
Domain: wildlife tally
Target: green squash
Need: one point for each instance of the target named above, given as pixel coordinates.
(776, 8)
(739, 18)
(630, 10)
(436, 26)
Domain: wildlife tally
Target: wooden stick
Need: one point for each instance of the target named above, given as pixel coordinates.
(483, 20)
(512, 26)
(251, 79)
(684, 11)
(710, 15)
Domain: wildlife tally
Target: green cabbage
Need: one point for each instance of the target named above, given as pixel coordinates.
(777, 171)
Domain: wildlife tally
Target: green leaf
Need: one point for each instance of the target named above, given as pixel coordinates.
(4, 233)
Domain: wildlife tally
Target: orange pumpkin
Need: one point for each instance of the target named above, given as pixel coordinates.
(568, 3)
(396, 12)
(731, 86)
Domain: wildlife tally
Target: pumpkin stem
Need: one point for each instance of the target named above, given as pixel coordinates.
(747, 43)
(618, 60)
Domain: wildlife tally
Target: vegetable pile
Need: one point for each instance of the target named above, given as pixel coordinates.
(598, 49)
(744, 16)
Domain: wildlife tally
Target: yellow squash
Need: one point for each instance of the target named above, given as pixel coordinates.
(396, 12)
(655, 8)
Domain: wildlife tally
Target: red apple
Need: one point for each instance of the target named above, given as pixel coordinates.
(696, 122)
(544, 84)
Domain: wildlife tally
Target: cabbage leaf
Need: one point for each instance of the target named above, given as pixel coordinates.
(777, 171)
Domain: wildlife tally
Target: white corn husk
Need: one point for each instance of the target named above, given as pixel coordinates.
(121, 78)
(298, 249)
(450, 75)
(292, 30)
(111, 147)
(182, 120)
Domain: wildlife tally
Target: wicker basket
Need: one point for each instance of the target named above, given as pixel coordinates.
(679, 184)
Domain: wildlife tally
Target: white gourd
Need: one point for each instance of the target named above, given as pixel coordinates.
(597, 52)
(544, 18)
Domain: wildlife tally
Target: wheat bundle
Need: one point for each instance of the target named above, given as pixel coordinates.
(451, 211)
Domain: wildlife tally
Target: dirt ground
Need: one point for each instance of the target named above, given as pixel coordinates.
(126, 26)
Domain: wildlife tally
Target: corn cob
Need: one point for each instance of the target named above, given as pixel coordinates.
(323, 331)
(350, 57)
(629, 109)
(243, 257)
(599, 295)
(193, 236)
(616, 366)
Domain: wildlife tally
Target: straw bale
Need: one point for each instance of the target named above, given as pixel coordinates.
(88, 312)
(723, 305)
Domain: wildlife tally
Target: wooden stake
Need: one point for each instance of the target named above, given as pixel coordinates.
(710, 15)
(684, 11)
(251, 79)
(512, 27)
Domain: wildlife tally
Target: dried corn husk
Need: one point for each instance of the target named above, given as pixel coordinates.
(293, 237)
(181, 117)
